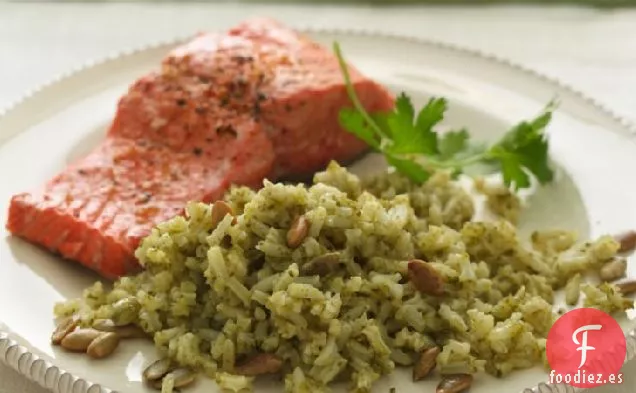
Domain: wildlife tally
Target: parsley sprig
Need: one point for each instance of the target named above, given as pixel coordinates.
(409, 142)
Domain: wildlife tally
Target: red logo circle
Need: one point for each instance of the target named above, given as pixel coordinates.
(586, 348)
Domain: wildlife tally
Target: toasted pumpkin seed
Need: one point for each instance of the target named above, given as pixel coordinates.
(321, 265)
(220, 209)
(126, 311)
(180, 378)
(104, 345)
(157, 370)
(613, 270)
(627, 241)
(297, 232)
(264, 363)
(183, 377)
(454, 383)
(126, 331)
(156, 384)
(64, 328)
(79, 340)
(627, 287)
(425, 278)
(425, 363)
(104, 325)
(131, 331)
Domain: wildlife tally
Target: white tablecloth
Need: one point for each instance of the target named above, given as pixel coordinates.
(594, 50)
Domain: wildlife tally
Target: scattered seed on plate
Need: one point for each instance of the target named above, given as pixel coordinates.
(183, 377)
(297, 231)
(425, 363)
(264, 363)
(613, 270)
(63, 328)
(425, 278)
(454, 383)
(166, 383)
(79, 340)
(125, 331)
(104, 325)
(627, 241)
(219, 210)
(131, 331)
(104, 345)
(177, 379)
(125, 311)
(627, 287)
(157, 370)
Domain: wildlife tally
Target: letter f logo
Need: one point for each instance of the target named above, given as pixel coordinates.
(583, 344)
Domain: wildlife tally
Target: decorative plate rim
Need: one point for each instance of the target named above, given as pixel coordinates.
(58, 380)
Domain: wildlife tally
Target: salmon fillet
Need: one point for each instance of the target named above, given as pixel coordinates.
(97, 210)
(300, 92)
(257, 101)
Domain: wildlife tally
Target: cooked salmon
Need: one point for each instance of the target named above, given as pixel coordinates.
(257, 101)
(300, 94)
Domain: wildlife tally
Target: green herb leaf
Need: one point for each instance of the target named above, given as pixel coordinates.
(409, 168)
(410, 138)
(411, 145)
(511, 168)
(452, 143)
(404, 107)
(353, 121)
(526, 147)
(431, 114)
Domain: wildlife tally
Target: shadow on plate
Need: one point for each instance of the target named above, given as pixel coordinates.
(67, 277)
(558, 205)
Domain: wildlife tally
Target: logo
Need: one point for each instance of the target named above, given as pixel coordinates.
(586, 348)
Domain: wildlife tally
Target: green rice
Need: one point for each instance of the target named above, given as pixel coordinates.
(213, 296)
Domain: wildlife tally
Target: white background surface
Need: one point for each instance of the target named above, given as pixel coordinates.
(593, 50)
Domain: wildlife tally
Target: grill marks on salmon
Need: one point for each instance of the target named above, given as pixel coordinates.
(258, 101)
(97, 211)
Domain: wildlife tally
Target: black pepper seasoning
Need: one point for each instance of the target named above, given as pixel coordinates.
(146, 197)
(238, 87)
(256, 110)
(240, 81)
(226, 130)
(181, 102)
(240, 60)
(197, 151)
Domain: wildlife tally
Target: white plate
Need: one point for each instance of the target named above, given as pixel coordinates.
(595, 151)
